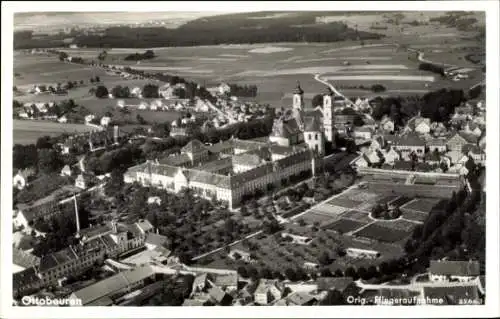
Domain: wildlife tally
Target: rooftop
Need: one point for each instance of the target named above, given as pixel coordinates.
(454, 268)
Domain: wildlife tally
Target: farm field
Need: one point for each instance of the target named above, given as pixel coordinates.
(275, 68)
(27, 132)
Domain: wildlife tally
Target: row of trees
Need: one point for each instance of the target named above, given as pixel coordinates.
(243, 91)
(149, 54)
(425, 66)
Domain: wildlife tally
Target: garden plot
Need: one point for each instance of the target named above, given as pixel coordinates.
(401, 200)
(329, 210)
(381, 233)
(357, 216)
(414, 215)
(344, 202)
(421, 205)
(399, 224)
(387, 199)
(345, 225)
(312, 217)
(359, 195)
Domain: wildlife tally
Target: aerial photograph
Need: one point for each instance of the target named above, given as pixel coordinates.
(266, 158)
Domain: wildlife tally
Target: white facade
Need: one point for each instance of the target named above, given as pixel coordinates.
(328, 117)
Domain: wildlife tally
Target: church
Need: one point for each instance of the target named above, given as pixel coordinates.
(313, 127)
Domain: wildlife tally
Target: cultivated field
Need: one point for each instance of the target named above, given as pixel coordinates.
(27, 132)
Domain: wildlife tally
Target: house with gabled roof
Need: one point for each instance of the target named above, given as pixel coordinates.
(387, 124)
(457, 141)
(21, 179)
(408, 144)
(472, 128)
(391, 155)
(66, 171)
(445, 270)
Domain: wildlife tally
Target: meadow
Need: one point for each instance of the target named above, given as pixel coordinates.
(27, 132)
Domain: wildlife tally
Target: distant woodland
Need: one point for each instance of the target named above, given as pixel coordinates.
(234, 28)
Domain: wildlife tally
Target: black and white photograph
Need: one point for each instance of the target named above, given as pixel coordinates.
(171, 156)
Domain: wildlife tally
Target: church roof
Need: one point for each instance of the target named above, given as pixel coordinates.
(312, 124)
(193, 146)
(285, 128)
(298, 90)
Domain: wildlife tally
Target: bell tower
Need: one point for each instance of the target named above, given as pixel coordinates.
(328, 122)
(298, 97)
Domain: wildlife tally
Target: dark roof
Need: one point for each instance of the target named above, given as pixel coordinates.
(298, 90)
(24, 259)
(194, 146)
(217, 293)
(472, 148)
(331, 283)
(23, 278)
(312, 124)
(175, 160)
(454, 268)
(285, 128)
(156, 239)
(409, 140)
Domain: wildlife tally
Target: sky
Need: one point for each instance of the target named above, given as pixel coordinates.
(46, 20)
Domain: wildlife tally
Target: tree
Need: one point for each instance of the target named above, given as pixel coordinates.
(291, 274)
(324, 259)
(101, 92)
(150, 91)
(44, 142)
(97, 79)
(24, 156)
(242, 271)
(333, 298)
(63, 56)
(325, 272)
(48, 161)
(317, 100)
(351, 272)
(116, 182)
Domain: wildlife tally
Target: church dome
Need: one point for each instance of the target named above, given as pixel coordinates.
(298, 89)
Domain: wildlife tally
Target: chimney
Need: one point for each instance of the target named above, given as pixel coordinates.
(115, 134)
(77, 216)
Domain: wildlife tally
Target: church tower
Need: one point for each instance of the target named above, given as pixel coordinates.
(328, 116)
(298, 97)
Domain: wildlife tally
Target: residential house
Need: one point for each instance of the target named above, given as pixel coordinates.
(407, 145)
(436, 145)
(200, 282)
(219, 296)
(387, 124)
(297, 299)
(89, 118)
(267, 291)
(362, 161)
(238, 254)
(341, 284)
(474, 151)
(154, 241)
(362, 133)
(227, 282)
(154, 200)
(446, 270)
(391, 156)
(105, 120)
(22, 178)
(378, 142)
(81, 181)
(422, 125)
(224, 88)
(136, 92)
(63, 119)
(66, 171)
(472, 128)
(457, 141)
